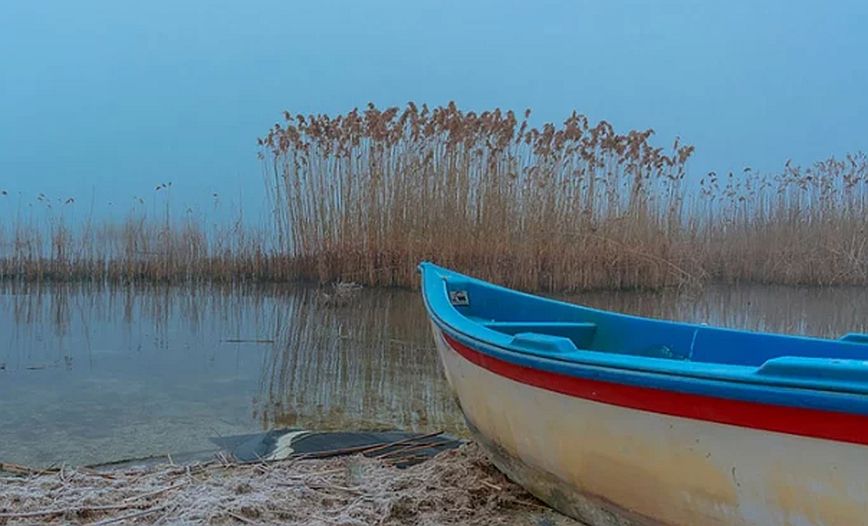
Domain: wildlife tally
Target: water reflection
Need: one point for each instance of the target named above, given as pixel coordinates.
(809, 311)
(368, 363)
(91, 374)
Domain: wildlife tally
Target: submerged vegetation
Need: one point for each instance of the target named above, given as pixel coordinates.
(363, 197)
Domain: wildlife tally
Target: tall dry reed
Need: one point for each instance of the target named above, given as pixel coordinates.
(365, 196)
(802, 226)
(45, 245)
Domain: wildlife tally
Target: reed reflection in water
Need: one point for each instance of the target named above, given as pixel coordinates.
(91, 374)
(367, 363)
(828, 312)
(94, 374)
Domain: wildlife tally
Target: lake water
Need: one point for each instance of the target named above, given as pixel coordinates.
(97, 375)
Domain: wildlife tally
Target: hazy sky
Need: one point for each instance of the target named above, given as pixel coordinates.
(110, 98)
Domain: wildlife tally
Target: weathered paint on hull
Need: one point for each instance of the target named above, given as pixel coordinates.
(609, 465)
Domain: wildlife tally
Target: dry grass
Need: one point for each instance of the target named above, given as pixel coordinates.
(363, 197)
(456, 487)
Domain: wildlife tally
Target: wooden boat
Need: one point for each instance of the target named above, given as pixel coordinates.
(620, 420)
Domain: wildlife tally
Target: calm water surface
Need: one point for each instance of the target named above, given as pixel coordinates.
(95, 375)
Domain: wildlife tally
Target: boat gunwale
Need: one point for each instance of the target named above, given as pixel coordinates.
(706, 378)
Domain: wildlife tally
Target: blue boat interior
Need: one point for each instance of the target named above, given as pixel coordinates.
(544, 327)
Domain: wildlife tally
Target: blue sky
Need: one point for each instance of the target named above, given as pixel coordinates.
(103, 100)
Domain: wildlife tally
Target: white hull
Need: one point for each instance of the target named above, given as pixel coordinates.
(607, 464)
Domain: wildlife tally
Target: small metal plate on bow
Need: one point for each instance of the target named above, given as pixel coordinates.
(459, 298)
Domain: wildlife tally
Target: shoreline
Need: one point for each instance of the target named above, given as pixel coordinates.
(458, 486)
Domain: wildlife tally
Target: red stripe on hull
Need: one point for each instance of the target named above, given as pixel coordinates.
(841, 427)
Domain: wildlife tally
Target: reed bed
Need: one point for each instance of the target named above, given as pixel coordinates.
(363, 197)
(138, 249)
(802, 226)
(575, 206)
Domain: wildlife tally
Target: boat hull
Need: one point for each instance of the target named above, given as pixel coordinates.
(607, 464)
